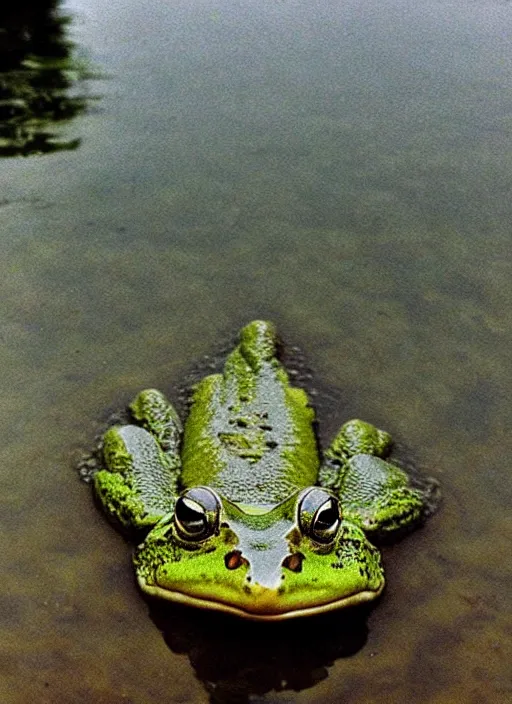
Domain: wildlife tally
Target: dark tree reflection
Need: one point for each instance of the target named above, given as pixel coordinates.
(39, 78)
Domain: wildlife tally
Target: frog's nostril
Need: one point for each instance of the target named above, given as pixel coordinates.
(234, 559)
(294, 562)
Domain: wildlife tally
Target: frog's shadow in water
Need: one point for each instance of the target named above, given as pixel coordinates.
(235, 658)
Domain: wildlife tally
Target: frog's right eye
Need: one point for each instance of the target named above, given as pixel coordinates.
(319, 515)
(196, 515)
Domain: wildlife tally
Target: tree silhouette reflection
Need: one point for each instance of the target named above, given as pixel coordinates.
(39, 78)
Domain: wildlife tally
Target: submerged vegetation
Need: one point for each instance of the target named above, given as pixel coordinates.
(40, 76)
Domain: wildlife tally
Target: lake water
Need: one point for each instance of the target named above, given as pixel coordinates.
(344, 169)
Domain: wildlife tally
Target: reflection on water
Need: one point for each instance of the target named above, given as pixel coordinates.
(39, 76)
(236, 659)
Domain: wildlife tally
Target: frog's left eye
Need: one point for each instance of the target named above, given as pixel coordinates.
(319, 515)
(196, 515)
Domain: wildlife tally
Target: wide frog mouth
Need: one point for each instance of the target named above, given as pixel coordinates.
(298, 558)
(262, 604)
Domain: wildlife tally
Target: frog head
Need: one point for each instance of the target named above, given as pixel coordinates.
(296, 558)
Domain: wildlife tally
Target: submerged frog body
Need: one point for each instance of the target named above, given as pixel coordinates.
(241, 512)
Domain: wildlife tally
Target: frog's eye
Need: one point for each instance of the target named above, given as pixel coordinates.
(319, 515)
(196, 515)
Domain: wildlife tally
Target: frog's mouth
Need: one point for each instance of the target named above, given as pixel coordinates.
(262, 603)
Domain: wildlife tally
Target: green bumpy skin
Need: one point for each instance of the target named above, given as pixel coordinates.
(249, 434)
(282, 532)
(141, 483)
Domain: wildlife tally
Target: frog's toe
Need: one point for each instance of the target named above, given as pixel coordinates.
(362, 437)
(356, 436)
(154, 412)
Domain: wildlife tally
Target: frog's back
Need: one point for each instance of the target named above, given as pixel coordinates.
(249, 433)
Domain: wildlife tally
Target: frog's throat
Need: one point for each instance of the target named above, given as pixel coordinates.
(265, 606)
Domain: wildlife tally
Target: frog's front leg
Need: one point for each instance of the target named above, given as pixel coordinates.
(143, 464)
(374, 494)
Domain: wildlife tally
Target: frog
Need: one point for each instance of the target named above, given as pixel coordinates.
(238, 510)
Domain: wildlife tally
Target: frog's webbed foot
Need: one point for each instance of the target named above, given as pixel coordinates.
(139, 485)
(374, 494)
(377, 496)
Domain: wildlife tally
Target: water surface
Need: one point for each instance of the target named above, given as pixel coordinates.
(343, 169)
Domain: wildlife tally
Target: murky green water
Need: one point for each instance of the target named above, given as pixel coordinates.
(345, 170)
